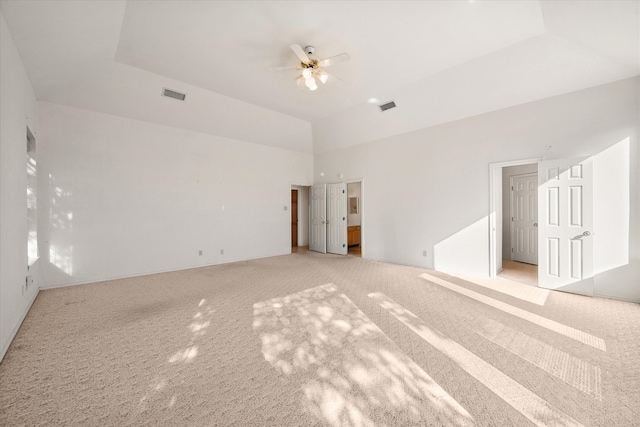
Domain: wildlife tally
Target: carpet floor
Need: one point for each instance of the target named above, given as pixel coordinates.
(321, 340)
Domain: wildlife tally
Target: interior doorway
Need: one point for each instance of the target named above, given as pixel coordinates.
(294, 218)
(299, 207)
(565, 191)
(513, 221)
(337, 218)
(523, 215)
(354, 218)
(520, 222)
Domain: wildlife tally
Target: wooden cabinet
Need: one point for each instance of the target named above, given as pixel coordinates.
(353, 235)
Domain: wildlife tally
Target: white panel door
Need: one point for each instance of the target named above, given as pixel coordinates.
(524, 218)
(318, 238)
(565, 213)
(337, 218)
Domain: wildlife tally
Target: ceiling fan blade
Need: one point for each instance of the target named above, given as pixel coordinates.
(300, 83)
(282, 68)
(334, 60)
(333, 77)
(299, 53)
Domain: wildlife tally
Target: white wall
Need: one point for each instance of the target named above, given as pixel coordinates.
(17, 111)
(507, 173)
(616, 265)
(127, 197)
(429, 189)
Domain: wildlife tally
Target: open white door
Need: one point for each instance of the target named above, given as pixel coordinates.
(318, 240)
(337, 218)
(565, 213)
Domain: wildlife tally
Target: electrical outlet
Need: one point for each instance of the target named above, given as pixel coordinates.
(424, 253)
(286, 208)
(221, 251)
(28, 283)
(200, 253)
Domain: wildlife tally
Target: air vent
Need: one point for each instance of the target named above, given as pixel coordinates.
(173, 94)
(387, 106)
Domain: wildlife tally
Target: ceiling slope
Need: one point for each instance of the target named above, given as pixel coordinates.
(440, 61)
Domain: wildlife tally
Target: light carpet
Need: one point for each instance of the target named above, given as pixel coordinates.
(320, 340)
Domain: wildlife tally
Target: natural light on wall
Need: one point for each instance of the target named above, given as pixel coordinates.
(32, 200)
(61, 227)
(465, 251)
(612, 210)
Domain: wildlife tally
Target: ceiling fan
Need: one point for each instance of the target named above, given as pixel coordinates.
(313, 69)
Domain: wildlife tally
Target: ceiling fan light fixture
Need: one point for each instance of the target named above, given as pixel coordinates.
(312, 69)
(311, 83)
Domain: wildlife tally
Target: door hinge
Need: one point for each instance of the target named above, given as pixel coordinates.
(511, 249)
(511, 219)
(512, 188)
(342, 191)
(343, 245)
(343, 218)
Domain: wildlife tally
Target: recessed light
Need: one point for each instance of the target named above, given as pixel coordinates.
(372, 100)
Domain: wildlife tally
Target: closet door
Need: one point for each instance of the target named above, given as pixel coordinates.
(524, 218)
(337, 218)
(318, 233)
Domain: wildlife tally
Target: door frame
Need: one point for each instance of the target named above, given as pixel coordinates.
(297, 213)
(362, 203)
(302, 220)
(496, 209)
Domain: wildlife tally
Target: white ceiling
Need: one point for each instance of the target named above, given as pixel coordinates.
(227, 47)
(74, 50)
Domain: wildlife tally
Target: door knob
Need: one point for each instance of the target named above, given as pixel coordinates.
(586, 233)
(535, 224)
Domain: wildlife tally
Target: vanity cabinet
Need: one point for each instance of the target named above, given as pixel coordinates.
(353, 235)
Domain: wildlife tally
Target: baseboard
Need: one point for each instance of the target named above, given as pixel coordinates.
(617, 298)
(5, 348)
(150, 273)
